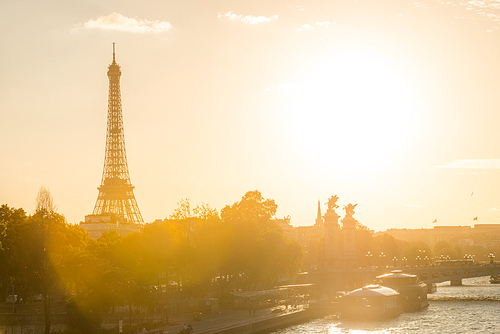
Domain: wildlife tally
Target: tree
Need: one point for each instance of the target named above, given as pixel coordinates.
(259, 251)
(364, 238)
(444, 249)
(39, 241)
(198, 245)
(47, 242)
(44, 201)
(440, 245)
(95, 281)
(415, 253)
(385, 248)
(12, 222)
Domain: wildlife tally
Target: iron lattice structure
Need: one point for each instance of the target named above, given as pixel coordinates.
(116, 193)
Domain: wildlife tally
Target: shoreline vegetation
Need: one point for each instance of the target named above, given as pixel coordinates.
(195, 260)
(195, 253)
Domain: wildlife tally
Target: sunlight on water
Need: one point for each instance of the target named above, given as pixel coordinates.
(335, 329)
(472, 308)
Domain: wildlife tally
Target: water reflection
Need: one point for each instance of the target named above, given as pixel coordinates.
(358, 328)
(472, 308)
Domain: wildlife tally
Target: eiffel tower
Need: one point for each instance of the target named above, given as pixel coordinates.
(116, 201)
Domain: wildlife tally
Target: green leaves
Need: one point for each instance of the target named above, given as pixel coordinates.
(258, 251)
(195, 248)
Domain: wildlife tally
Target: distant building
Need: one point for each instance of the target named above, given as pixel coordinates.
(307, 236)
(288, 229)
(97, 225)
(310, 235)
(485, 235)
(338, 247)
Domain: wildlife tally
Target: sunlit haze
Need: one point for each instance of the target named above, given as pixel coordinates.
(392, 105)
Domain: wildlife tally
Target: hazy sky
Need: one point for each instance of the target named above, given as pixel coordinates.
(393, 105)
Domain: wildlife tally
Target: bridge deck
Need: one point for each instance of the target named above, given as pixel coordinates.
(438, 274)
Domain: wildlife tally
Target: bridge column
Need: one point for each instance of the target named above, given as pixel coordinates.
(456, 282)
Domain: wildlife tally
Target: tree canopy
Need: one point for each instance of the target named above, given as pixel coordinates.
(195, 249)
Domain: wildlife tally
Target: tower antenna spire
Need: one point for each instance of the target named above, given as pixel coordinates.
(116, 196)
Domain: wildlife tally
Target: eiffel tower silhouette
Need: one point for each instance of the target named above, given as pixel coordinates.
(116, 200)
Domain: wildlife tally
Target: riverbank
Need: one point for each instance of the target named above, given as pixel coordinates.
(29, 318)
(471, 308)
(236, 321)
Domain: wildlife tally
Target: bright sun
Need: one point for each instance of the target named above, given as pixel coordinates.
(352, 111)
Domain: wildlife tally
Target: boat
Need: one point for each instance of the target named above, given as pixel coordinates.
(412, 292)
(431, 287)
(495, 279)
(322, 308)
(372, 302)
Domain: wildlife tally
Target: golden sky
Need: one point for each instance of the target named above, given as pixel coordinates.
(393, 105)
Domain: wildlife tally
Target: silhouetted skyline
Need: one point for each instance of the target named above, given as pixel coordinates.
(390, 105)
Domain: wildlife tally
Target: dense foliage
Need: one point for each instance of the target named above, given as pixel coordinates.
(196, 251)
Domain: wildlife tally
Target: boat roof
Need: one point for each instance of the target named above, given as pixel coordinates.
(396, 274)
(304, 285)
(254, 294)
(372, 291)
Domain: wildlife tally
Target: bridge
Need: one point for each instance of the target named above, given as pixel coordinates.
(334, 279)
(454, 274)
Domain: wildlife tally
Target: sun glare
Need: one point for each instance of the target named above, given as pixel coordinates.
(352, 111)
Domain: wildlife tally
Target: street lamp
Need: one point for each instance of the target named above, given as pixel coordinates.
(492, 258)
(382, 259)
(418, 260)
(369, 256)
(403, 261)
(394, 261)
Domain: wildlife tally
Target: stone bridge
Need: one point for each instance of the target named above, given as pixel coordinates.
(454, 274)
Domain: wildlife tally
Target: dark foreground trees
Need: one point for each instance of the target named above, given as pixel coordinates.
(260, 253)
(34, 251)
(196, 250)
(244, 248)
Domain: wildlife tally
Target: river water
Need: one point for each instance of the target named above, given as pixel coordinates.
(471, 308)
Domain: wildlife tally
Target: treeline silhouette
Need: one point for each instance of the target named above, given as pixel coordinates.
(196, 252)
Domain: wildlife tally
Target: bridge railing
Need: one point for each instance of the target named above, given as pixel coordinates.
(437, 274)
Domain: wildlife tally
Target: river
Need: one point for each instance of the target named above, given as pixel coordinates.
(471, 308)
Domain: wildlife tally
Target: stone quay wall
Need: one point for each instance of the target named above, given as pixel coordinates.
(26, 323)
(258, 326)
